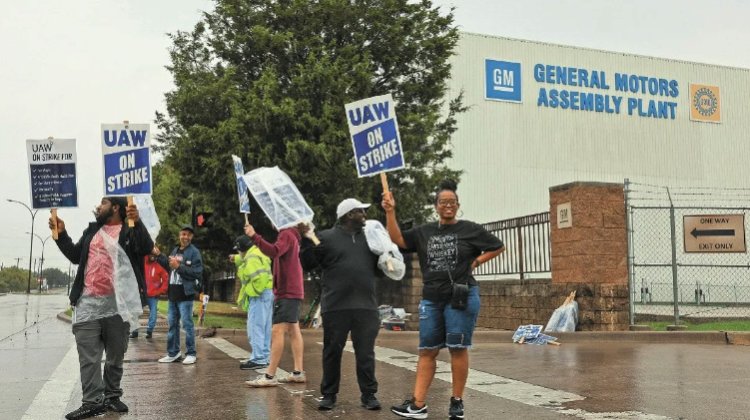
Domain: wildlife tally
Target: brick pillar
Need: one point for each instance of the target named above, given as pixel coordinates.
(589, 252)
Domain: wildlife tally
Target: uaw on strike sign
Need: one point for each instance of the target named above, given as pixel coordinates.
(52, 173)
(127, 159)
(374, 131)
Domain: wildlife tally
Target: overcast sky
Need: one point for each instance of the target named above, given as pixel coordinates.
(69, 66)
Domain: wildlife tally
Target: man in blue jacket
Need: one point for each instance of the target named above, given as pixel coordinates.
(186, 271)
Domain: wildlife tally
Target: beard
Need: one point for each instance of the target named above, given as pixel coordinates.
(103, 217)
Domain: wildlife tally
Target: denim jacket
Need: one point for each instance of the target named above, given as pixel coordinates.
(190, 271)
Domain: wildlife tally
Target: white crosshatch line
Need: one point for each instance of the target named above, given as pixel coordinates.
(509, 389)
(54, 396)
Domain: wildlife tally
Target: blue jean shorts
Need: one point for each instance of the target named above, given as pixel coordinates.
(442, 326)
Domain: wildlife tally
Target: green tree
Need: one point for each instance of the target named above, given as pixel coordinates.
(55, 277)
(267, 80)
(13, 279)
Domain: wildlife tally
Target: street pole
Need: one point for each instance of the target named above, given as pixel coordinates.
(41, 260)
(70, 274)
(31, 246)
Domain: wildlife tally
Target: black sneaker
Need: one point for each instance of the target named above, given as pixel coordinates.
(409, 410)
(87, 410)
(252, 365)
(456, 411)
(327, 402)
(148, 334)
(116, 405)
(370, 402)
(134, 334)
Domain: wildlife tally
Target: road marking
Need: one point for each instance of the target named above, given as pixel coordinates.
(54, 396)
(236, 352)
(233, 351)
(510, 389)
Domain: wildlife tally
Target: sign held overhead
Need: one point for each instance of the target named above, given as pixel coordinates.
(52, 173)
(127, 159)
(375, 139)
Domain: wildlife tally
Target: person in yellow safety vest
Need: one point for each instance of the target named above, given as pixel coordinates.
(256, 297)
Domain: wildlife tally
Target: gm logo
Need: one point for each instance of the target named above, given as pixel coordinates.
(502, 80)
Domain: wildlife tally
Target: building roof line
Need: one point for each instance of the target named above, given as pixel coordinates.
(672, 60)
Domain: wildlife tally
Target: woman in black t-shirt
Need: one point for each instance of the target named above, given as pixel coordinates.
(448, 251)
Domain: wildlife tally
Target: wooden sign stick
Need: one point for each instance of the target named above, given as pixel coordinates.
(384, 182)
(53, 213)
(247, 221)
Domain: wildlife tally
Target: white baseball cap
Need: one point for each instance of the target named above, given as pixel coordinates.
(348, 205)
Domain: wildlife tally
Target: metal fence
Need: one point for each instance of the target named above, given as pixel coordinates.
(668, 282)
(527, 247)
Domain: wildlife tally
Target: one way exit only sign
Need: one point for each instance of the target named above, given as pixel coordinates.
(714, 233)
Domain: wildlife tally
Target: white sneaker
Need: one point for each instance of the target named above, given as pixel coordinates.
(294, 379)
(170, 359)
(189, 360)
(261, 381)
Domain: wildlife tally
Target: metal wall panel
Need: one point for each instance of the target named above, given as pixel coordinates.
(512, 153)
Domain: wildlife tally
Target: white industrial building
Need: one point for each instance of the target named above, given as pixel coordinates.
(542, 115)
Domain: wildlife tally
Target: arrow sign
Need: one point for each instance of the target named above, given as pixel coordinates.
(714, 233)
(711, 232)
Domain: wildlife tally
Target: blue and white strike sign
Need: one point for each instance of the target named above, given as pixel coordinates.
(239, 171)
(374, 131)
(52, 173)
(127, 159)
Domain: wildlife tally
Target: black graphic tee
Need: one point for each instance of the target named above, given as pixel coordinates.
(446, 252)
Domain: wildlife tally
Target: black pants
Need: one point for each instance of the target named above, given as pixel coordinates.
(364, 326)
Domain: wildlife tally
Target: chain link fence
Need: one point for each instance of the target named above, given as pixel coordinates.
(680, 272)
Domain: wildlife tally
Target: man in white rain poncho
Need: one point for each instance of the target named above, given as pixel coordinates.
(107, 296)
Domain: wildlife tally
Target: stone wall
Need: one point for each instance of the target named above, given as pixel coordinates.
(507, 304)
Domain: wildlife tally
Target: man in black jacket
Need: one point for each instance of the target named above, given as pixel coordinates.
(110, 262)
(348, 301)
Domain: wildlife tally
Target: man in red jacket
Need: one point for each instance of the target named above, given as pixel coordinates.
(288, 290)
(157, 283)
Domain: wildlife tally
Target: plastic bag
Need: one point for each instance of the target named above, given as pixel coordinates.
(391, 262)
(564, 318)
(126, 285)
(147, 214)
(125, 301)
(279, 198)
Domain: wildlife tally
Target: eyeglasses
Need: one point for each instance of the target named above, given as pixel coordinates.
(446, 203)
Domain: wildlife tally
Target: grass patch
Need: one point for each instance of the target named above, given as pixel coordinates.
(704, 326)
(218, 314)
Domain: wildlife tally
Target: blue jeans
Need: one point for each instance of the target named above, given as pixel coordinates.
(180, 311)
(152, 312)
(259, 327)
(442, 326)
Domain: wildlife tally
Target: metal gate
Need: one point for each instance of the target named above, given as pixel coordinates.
(686, 253)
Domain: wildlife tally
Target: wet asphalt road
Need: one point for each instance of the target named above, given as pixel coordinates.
(580, 379)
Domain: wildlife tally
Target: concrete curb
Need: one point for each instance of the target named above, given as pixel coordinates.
(655, 337)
